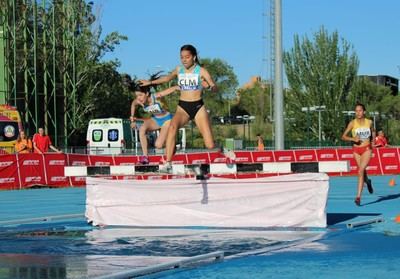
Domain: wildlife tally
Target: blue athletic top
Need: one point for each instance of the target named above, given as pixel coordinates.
(156, 108)
(189, 81)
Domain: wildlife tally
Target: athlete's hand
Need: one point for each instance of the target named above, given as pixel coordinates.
(204, 83)
(356, 140)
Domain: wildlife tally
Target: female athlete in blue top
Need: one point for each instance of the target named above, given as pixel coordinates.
(192, 78)
(160, 117)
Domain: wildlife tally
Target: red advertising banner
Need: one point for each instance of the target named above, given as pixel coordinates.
(125, 160)
(31, 169)
(263, 156)
(374, 167)
(9, 177)
(284, 156)
(305, 155)
(327, 154)
(218, 157)
(389, 160)
(198, 158)
(243, 157)
(54, 169)
(98, 160)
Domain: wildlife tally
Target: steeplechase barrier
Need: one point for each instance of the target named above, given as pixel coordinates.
(18, 171)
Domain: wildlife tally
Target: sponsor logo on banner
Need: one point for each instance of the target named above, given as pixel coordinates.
(6, 164)
(57, 162)
(265, 158)
(33, 179)
(344, 156)
(327, 155)
(58, 179)
(102, 164)
(200, 161)
(353, 167)
(391, 167)
(219, 160)
(31, 163)
(388, 155)
(241, 159)
(305, 157)
(285, 158)
(78, 163)
(7, 180)
(154, 177)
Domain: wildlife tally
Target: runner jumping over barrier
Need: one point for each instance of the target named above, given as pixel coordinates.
(152, 103)
(192, 79)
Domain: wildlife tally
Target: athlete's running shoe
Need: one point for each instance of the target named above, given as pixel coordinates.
(369, 185)
(165, 168)
(229, 154)
(144, 160)
(358, 201)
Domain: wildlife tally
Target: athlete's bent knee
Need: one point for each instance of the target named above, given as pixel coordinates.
(158, 145)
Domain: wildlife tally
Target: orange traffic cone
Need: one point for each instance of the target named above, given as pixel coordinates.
(392, 182)
(397, 219)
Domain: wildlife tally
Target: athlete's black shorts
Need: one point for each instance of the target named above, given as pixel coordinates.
(191, 108)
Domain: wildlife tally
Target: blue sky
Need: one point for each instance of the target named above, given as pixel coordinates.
(233, 30)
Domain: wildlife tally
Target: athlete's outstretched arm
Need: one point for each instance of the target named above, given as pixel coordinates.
(208, 79)
(160, 80)
(133, 109)
(167, 91)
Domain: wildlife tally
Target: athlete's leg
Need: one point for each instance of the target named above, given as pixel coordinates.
(142, 136)
(148, 125)
(203, 123)
(362, 163)
(179, 120)
(365, 158)
(163, 135)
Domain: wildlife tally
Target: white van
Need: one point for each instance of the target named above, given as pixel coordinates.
(108, 136)
(115, 136)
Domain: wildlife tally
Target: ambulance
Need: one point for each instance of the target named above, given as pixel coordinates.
(109, 136)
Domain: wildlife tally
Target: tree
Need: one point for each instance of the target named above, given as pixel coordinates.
(256, 101)
(320, 72)
(377, 98)
(226, 80)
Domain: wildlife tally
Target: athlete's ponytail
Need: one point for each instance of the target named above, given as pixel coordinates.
(134, 85)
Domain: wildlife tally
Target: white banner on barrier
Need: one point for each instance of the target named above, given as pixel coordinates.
(295, 200)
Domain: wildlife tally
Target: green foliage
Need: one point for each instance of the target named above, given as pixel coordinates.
(378, 98)
(319, 72)
(226, 80)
